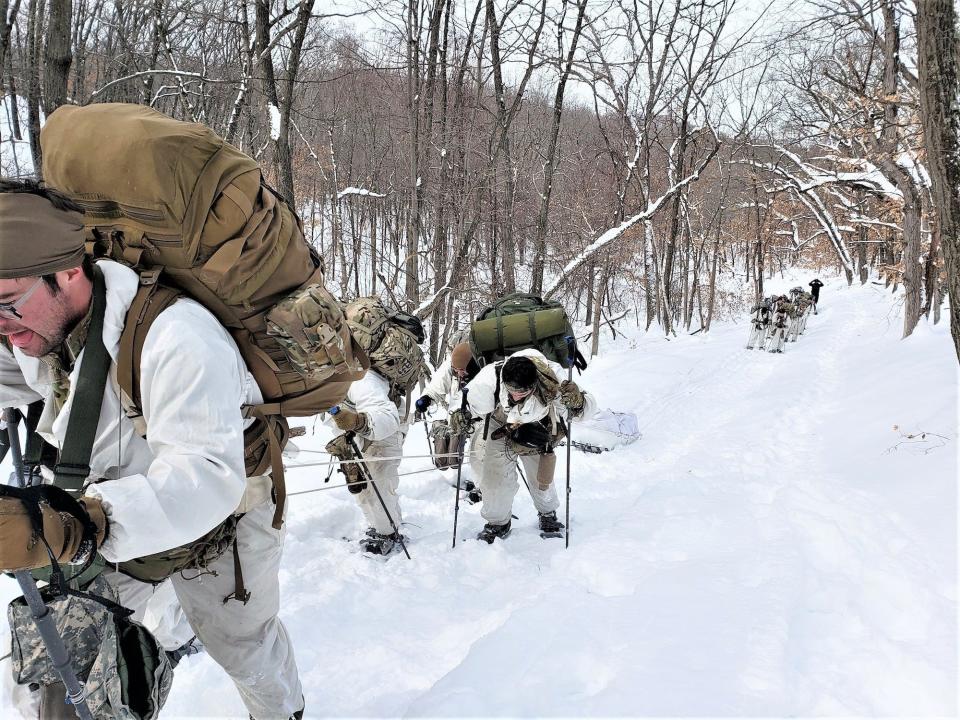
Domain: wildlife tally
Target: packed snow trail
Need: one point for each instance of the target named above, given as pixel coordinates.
(771, 546)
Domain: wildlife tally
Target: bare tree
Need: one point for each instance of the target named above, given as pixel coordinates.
(939, 65)
(58, 55)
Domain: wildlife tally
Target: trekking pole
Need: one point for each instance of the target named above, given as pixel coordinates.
(571, 351)
(351, 438)
(460, 447)
(46, 625)
(426, 429)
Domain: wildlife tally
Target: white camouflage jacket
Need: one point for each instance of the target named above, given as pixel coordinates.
(480, 396)
(188, 476)
(371, 395)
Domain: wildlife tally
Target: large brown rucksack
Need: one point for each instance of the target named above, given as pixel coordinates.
(193, 216)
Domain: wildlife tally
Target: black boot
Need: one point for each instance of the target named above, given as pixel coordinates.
(492, 532)
(378, 544)
(549, 523)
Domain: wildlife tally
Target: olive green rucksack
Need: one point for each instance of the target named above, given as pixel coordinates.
(520, 321)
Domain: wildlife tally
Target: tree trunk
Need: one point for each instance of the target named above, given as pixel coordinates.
(35, 12)
(540, 240)
(8, 16)
(649, 272)
(58, 55)
(912, 269)
(938, 37)
(412, 262)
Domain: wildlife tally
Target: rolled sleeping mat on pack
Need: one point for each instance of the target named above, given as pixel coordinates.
(522, 330)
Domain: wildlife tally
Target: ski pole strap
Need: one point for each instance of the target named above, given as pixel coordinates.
(73, 468)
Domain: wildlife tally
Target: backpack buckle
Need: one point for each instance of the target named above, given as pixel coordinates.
(149, 277)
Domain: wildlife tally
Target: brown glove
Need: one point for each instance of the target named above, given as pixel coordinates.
(347, 419)
(73, 529)
(571, 396)
(340, 449)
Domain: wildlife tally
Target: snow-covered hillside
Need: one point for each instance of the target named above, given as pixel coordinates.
(782, 541)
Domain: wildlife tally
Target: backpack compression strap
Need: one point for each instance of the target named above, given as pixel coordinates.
(74, 466)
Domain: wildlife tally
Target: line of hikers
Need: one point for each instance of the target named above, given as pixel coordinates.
(777, 319)
(162, 317)
(511, 405)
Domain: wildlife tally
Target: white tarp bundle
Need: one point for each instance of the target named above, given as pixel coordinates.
(606, 430)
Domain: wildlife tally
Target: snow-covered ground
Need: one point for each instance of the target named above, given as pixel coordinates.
(781, 542)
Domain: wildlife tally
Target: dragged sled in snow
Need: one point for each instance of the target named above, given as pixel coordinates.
(605, 431)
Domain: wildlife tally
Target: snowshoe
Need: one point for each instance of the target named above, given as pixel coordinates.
(550, 527)
(492, 532)
(376, 543)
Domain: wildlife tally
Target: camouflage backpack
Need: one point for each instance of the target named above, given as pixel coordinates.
(391, 339)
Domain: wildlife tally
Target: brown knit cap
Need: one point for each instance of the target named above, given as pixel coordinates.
(460, 357)
(36, 238)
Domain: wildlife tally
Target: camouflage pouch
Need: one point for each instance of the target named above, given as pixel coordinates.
(307, 325)
(131, 675)
(193, 556)
(126, 674)
(80, 622)
(340, 449)
(444, 446)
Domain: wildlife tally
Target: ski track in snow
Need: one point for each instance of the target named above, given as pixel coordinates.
(761, 551)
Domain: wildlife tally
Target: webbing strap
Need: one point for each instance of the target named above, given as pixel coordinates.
(74, 466)
(151, 299)
(276, 462)
(240, 593)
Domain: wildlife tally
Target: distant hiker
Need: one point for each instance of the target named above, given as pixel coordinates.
(759, 322)
(524, 405)
(372, 411)
(782, 310)
(444, 389)
(815, 286)
(175, 502)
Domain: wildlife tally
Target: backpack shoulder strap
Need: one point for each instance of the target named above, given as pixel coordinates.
(151, 299)
(496, 398)
(73, 468)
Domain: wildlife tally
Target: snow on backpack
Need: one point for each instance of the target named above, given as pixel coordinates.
(520, 321)
(391, 339)
(193, 216)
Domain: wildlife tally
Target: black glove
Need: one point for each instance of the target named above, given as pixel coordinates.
(421, 405)
(532, 435)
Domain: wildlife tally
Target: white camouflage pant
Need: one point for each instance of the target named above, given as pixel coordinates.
(499, 483)
(248, 641)
(386, 476)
